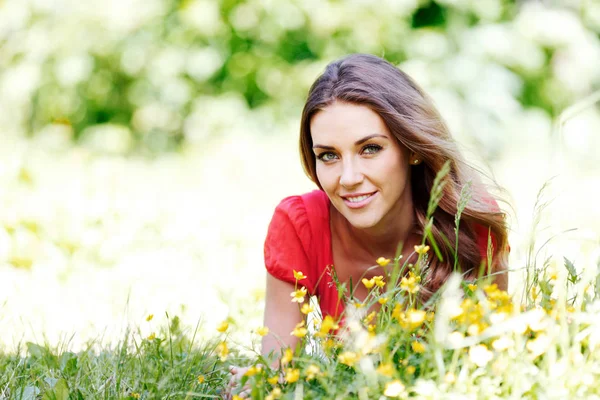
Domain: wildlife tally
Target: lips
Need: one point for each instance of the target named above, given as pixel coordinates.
(358, 200)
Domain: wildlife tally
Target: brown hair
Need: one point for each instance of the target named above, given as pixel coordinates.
(414, 121)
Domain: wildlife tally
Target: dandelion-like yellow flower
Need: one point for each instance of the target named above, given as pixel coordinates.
(298, 275)
(411, 369)
(299, 331)
(222, 351)
(472, 287)
(236, 397)
(394, 389)
(262, 331)
(369, 283)
(292, 375)
(273, 380)
(348, 358)
(386, 369)
(421, 249)
(418, 347)
(151, 337)
(383, 261)
(312, 371)
(412, 319)
(201, 379)
(370, 317)
(480, 355)
(379, 281)
(135, 395)
(253, 370)
(410, 283)
(298, 295)
(275, 394)
(327, 325)
(306, 308)
(149, 317)
(382, 300)
(288, 354)
(223, 326)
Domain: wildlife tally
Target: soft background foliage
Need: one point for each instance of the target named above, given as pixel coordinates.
(144, 144)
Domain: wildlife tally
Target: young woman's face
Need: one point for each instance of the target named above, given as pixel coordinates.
(361, 167)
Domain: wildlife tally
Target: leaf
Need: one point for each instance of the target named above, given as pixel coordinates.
(36, 351)
(60, 391)
(573, 278)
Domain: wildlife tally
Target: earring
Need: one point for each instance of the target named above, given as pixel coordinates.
(416, 161)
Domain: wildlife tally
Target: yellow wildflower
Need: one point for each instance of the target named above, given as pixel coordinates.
(262, 331)
(394, 389)
(327, 325)
(480, 355)
(312, 371)
(421, 249)
(288, 354)
(370, 317)
(386, 369)
(275, 394)
(273, 380)
(292, 375)
(382, 300)
(369, 283)
(135, 395)
(299, 331)
(236, 397)
(418, 347)
(298, 295)
(253, 370)
(411, 369)
(348, 358)
(472, 287)
(415, 318)
(410, 283)
(306, 308)
(149, 317)
(222, 351)
(223, 326)
(298, 275)
(358, 304)
(379, 281)
(201, 379)
(371, 328)
(151, 337)
(383, 261)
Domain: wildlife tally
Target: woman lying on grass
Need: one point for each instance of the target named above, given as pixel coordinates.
(373, 143)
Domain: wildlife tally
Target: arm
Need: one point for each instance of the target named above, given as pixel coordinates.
(281, 316)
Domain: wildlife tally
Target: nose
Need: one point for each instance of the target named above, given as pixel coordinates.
(351, 175)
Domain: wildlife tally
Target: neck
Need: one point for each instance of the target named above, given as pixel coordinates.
(381, 240)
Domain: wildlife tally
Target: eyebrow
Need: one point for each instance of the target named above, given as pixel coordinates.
(357, 143)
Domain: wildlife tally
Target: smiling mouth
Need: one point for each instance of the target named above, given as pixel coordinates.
(359, 198)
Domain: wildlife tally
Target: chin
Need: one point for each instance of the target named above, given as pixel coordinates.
(363, 223)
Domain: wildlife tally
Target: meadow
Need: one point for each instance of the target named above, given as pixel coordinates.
(145, 144)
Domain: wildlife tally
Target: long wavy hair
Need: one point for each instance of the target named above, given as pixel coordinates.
(413, 120)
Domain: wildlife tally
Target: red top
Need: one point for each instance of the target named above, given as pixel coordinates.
(299, 238)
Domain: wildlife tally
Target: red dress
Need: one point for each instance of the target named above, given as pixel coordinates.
(299, 238)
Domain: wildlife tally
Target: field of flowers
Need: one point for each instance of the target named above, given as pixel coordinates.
(145, 144)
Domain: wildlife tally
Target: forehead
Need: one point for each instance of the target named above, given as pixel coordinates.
(341, 122)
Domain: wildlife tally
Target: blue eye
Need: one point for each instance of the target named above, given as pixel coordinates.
(371, 149)
(326, 156)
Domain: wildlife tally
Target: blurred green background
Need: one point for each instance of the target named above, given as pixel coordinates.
(144, 144)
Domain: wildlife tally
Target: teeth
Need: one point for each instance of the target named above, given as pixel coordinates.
(358, 198)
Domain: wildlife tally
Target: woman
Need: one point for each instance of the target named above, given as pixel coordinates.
(373, 143)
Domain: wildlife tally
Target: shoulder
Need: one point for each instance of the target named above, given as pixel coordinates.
(299, 209)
